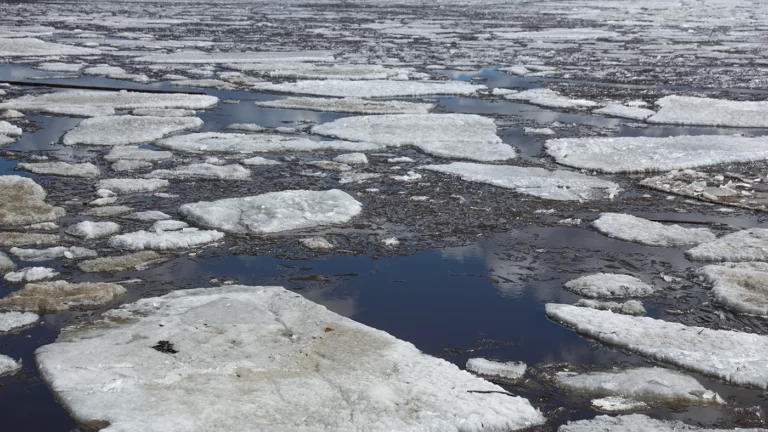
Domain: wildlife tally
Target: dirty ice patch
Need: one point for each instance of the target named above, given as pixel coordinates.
(274, 211)
(632, 228)
(11, 321)
(372, 88)
(554, 185)
(84, 103)
(623, 111)
(348, 105)
(734, 357)
(59, 296)
(507, 370)
(637, 423)
(31, 47)
(740, 287)
(165, 240)
(191, 57)
(607, 285)
(464, 136)
(127, 129)
(6, 264)
(203, 171)
(114, 264)
(746, 245)
(687, 110)
(89, 230)
(550, 98)
(285, 345)
(651, 154)
(256, 143)
(63, 169)
(710, 187)
(131, 186)
(23, 203)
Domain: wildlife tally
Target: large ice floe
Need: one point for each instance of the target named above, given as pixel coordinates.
(58, 296)
(630, 112)
(298, 70)
(713, 188)
(19, 239)
(237, 57)
(465, 136)
(637, 423)
(203, 171)
(165, 240)
(243, 358)
(688, 110)
(745, 245)
(12, 321)
(31, 47)
(131, 186)
(348, 105)
(549, 98)
(632, 228)
(372, 88)
(731, 356)
(23, 203)
(274, 211)
(115, 72)
(554, 185)
(256, 143)
(652, 154)
(607, 285)
(125, 130)
(741, 287)
(63, 169)
(100, 103)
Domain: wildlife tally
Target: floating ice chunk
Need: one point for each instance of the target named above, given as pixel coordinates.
(258, 160)
(148, 216)
(11, 321)
(601, 285)
(9, 129)
(115, 72)
(355, 177)
(518, 70)
(687, 110)
(136, 154)
(349, 105)
(567, 34)
(297, 70)
(59, 296)
(60, 67)
(572, 222)
(629, 307)
(130, 165)
(408, 177)
(93, 230)
(205, 83)
(256, 143)
(618, 110)
(651, 154)
(539, 131)
(391, 242)
(161, 112)
(728, 355)
(107, 211)
(372, 88)
(274, 211)
(131, 186)
(30, 274)
(23, 203)
(169, 225)
(247, 127)
(746, 245)
(124, 130)
(710, 188)
(631, 228)
(317, 243)
(134, 261)
(37, 255)
(741, 287)
(16, 239)
(100, 103)
(8, 365)
(508, 370)
(186, 57)
(647, 384)
(618, 404)
(86, 170)
(11, 115)
(463, 136)
(554, 185)
(6, 264)
(637, 423)
(397, 386)
(44, 226)
(4, 140)
(31, 47)
(165, 240)
(403, 159)
(203, 171)
(550, 98)
(352, 158)
(331, 166)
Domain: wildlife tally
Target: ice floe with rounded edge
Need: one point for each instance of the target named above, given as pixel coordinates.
(18, 239)
(745, 245)
(554, 185)
(164, 240)
(258, 160)
(539, 131)
(317, 243)
(131, 186)
(8, 365)
(64, 169)
(11, 115)
(287, 345)
(38, 255)
(23, 203)
(689, 110)
(30, 274)
(10, 130)
(372, 88)
(352, 158)
(274, 211)
(613, 404)
(114, 264)
(623, 111)
(126, 129)
(331, 166)
(11, 321)
(607, 285)
(550, 99)
(653, 154)
(31, 47)
(59, 296)
(237, 57)
(60, 67)
(136, 154)
(93, 230)
(148, 216)
(731, 356)
(740, 287)
(507, 370)
(246, 127)
(256, 143)
(6, 264)
(464, 136)
(203, 171)
(349, 105)
(107, 211)
(629, 307)
(169, 225)
(632, 228)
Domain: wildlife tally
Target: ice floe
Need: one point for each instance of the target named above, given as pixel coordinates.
(745, 245)
(741, 287)
(331, 166)
(297, 70)
(237, 57)
(59, 296)
(30, 274)
(349, 105)
(85, 170)
(607, 285)
(629, 307)
(258, 160)
(372, 88)
(38, 255)
(286, 345)
(23, 203)
(6, 264)
(131, 186)
(9, 129)
(162, 112)
(8, 365)
(18, 239)
(688, 110)
(148, 216)
(549, 98)
(638, 423)
(618, 110)
(465, 136)
(507, 370)
(274, 211)
(554, 185)
(632, 228)
(130, 165)
(728, 355)
(134, 261)
(539, 131)
(115, 72)
(93, 230)
(31, 47)
(352, 158)
(356, 177)
(107, 211)
(613, 404)
(136, 154)
(246, 127)
(203, 171)
(60, 67)
(164, 240)
(652, 154)
(169, 225)
(256, 143)
(317, 243)
(11, 321)
(711, 188)
(126, 129)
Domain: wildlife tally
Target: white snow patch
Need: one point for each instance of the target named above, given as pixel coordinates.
(687, 110)
(9, 129)
(632, 228)
(508, 370)
(601, 285)
(246, 127)
(613, 404)
(165, 240)
(126, 129)
(539, 131)
(10, 321)
(746, 245)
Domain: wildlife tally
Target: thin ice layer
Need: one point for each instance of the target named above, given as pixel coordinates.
(652, 154)
(127, 129)
(741, 287)
(256, 143)
(164, 240)
(371, 88)
(554, 185)
(632, 228)
(734, 357)
(607, 285)
(637, 423)
(23, 203)
(348, 105)
(157, 367)
(203, 171)
(688, 110)
(85, 170)
(464, 136)
(745, 245)
(274, 211)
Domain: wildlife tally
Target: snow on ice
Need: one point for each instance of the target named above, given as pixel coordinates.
(632, 228)
(607, 285)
